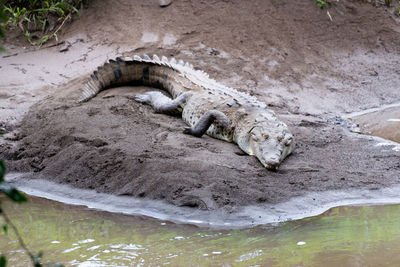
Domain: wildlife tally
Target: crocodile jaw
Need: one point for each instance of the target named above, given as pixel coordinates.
(271, 159)
(269, 145)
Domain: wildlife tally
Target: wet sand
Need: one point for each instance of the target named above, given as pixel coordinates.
(244, 217)
(307, 69)
(384, 123)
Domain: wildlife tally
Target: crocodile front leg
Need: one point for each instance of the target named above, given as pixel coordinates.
(219, 119)
(162, 103)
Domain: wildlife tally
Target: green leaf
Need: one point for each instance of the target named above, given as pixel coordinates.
(76, 10)
(2, 171)
(397, 11)
(321, 3)
(2, 15)
(3, 261)
(5, 228)
(43, 40)
(12, 192)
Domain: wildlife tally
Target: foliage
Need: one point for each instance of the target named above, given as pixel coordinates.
(39, 20)
(3, 17)
(10, 191)
(397, 11)
(321, 3)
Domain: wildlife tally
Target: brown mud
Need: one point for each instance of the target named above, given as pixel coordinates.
(307, 68)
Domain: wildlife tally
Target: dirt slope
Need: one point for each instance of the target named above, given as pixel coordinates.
(288, 53)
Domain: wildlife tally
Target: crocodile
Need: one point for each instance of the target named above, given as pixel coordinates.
(207, 106)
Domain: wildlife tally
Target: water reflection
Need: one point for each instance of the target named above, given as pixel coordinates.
(383, 123)
(76, 236)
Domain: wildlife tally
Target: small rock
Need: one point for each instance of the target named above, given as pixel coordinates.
(214, 52)
(65, 47)
(165, 3)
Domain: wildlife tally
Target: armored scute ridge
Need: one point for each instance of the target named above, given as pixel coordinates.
(205, 105)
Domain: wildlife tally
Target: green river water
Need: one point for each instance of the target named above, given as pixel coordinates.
(77, 236)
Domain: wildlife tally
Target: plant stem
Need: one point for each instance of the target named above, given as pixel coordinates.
(59, 27)
(20, 240)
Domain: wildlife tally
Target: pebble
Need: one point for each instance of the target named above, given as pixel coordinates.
(164, 3)
(65, 47)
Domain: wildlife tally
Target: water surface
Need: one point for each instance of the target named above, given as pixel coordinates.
(384, 123)
(78, 236)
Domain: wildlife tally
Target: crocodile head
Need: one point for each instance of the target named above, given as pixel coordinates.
(271, 144)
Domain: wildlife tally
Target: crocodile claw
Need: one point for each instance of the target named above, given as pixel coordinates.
(187, 130)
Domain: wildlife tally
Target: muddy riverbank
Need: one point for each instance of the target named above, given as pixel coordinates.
(297, 208)
(307, 68)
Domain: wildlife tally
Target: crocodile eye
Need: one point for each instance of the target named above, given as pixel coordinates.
(254, 137)
(280, 138)
(265, 136)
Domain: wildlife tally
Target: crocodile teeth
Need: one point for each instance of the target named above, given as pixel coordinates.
(164, 59)
(136, 57)
(127, 58)
(156, 58)
(173, 61)
(187, 65)
(180, 62)
(146, 57)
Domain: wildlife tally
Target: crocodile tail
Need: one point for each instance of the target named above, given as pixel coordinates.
(107, 75)
(138, 70)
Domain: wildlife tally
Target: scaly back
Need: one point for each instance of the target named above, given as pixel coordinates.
(170, 75)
